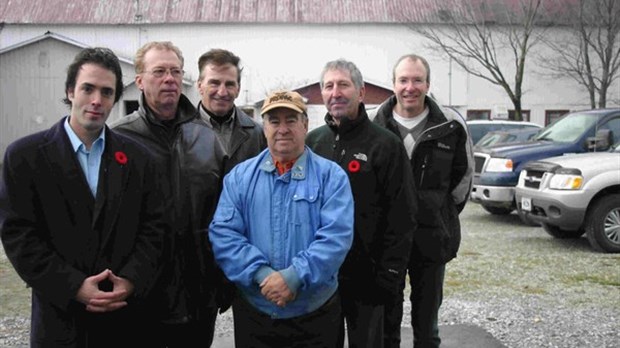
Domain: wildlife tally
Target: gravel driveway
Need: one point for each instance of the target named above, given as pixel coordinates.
(525, 288)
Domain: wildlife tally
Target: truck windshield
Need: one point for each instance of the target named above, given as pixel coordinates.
(567, 129)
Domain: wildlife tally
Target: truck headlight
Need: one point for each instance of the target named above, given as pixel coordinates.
(566, 182)
(499, 165)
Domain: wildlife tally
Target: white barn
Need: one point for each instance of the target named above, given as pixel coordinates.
(282, 44)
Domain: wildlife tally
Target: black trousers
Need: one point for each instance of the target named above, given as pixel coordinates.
(426, 280)
(364, 321)
(194, 333)
(254, 329)
(77, 328)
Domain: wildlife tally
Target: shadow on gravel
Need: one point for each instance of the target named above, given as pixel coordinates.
(580, 244)
(452, 336)
(509, 219)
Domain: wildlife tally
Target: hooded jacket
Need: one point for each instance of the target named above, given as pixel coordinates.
(376, 163)
(194, 160)
(442, 166)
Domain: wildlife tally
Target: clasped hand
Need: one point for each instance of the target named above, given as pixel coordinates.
(99, 301)
(275, 289)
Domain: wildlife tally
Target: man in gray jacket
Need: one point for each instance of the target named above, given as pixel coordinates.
(219, 84)
(439, 151)
(193, 159)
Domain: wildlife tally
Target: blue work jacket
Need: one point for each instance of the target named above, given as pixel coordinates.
(299, 223)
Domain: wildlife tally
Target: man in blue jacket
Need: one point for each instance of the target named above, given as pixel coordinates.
(282, 228)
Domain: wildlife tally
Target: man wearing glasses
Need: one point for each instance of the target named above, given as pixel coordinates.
(192, 161)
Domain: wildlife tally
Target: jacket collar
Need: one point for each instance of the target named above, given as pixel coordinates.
(239, 117)
(347, 125)
(435, 116)
(185, 111)
(298, 172)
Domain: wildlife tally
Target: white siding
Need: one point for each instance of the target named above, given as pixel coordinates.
(32, 80)
(283, 55)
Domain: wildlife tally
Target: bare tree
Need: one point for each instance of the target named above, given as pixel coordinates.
(475, 35)
(591, 53)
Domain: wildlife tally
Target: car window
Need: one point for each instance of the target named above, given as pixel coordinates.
(489, 139)
(568, 129)
(477, 131)
(614, 126)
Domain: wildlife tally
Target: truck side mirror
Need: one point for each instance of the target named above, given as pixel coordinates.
(601, 141)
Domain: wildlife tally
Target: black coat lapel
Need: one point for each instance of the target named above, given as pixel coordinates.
(64, 166)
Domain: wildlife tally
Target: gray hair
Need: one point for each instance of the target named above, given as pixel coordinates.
(344, 65)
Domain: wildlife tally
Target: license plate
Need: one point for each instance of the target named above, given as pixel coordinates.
(526, 204)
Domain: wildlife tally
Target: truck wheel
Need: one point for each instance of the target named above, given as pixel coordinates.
(557, 232)
(603, 224)
(497, 210)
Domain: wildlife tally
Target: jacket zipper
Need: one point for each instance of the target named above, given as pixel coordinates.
(335, 150)
(423, 169)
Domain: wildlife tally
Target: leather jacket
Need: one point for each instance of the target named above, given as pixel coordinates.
(193, 160)
(247, 139)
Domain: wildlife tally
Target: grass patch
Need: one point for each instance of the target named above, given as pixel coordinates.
(605, 280)
(534, 290)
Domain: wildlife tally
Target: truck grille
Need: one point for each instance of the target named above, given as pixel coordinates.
(479, 161)
(533, 178)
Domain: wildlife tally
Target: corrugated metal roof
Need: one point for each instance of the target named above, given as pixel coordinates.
(62, 38)
(238, 11)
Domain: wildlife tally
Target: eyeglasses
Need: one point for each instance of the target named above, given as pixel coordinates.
(161, 72)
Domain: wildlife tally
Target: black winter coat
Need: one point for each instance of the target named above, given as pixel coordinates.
(442, 173)
(376, 163)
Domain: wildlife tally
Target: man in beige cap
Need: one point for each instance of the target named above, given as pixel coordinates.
(283, 226)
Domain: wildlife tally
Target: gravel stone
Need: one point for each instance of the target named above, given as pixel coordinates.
(524, 287)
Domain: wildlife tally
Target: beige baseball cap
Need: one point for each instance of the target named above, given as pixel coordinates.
(284, 99)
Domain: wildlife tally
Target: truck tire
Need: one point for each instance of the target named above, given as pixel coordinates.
(497, 210)
(557, 232)
(603, 224)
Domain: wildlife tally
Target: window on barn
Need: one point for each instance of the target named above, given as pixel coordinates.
(478, 114)
(554, 115)
(524, 113)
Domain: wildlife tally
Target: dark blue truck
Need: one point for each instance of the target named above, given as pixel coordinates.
(497, 169)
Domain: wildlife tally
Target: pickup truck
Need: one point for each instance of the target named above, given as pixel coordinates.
(575, 194)
(497, 169)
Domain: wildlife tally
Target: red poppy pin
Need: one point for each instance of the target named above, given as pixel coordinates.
(120, 157)
(354, 166)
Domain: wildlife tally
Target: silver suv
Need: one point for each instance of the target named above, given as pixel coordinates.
(575, 194)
